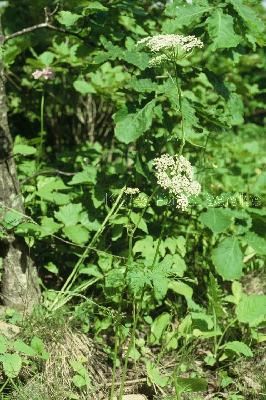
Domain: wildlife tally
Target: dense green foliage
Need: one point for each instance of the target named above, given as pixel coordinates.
(136, 268)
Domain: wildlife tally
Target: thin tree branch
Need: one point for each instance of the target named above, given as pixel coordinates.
(43, 25)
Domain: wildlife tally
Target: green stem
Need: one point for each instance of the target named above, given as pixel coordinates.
(42, 131)
(136, 313)
(130, 247)
(215, 330)
(183, 139)
(224, 332)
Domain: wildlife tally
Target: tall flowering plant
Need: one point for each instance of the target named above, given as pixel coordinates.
(174, 173)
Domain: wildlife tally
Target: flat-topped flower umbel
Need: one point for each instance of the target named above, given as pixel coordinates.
(176, 174)
(160, 43)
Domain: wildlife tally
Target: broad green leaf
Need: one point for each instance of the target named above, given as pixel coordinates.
(192, 384)
(23, 149)
(235, 107)
(158, 327)
(76, 233)
(251, 309)
(139, 59)
(257, 242)
(146, 247)
(227, 258)
(69, 214)
(238, 348)
(95, 6)
(51, 267)
(38, 345)
(67, 18)
(139, 222)
(88, 175)
(79, 381)
(83, 87)
(49, 226)
(221, 30)
(216, 219)
(178, 266)
(22, 347)
(181, 288)
(205, 318)
(12, 364)
(143, 85)
(130, 127)
(183, 16)
(12, 219)
(155, 376)
(254, 24)
(47, 58)
(137, 278)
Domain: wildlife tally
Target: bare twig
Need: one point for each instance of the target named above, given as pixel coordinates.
(44, 25)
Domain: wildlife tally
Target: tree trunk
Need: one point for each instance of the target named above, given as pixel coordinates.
(20, 288)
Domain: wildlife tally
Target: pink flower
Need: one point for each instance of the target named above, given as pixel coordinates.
(46, 73)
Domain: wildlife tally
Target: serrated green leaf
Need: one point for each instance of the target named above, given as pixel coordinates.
(257, 242)
(192, 384)
(130, 127)
(76, 233)
(83, 87)
(88, 175)
(227, 258)
(181, 288)
(155, 376)
(221, 30)
(79, 381)
(49, 226)
(69, 214)
(12, 219)
(139, 222)
(22, 347)
(158, 326)
(12, 364)
(239, 348)
(254, 24)
(183, 16)
(67, 18)
(251, 309)
(216, 219)
(235, 107)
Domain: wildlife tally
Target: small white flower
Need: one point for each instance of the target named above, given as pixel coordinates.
(161, 43)
(176, 174)
(131, 191)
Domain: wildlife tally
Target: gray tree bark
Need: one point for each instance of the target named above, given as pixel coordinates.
(19, 286)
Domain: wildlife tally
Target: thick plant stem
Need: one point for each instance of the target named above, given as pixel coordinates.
(130, 247)
(179, 92)
(136, 315)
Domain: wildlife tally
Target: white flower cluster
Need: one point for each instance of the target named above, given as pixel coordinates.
(160, 43)
(131, 191)
(175, 174)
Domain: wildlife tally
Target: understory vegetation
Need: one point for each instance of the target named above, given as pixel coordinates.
(139, 142)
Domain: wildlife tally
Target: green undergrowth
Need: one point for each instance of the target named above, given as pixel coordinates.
(142, 173)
